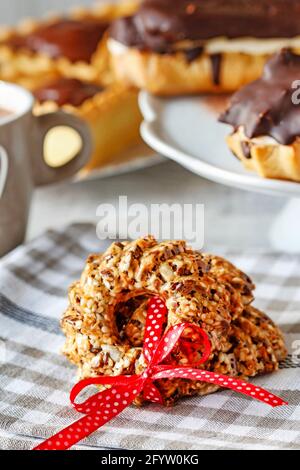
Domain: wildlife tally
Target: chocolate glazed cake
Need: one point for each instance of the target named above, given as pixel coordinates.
(181, 46)
(265, 116)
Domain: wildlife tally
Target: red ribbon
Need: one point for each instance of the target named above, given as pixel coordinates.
(106, 405)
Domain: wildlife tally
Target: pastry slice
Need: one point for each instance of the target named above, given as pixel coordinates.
(171, 47)
(265, 116)
(110, 111)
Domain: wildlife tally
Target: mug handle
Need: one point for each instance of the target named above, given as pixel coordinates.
(44, 174)
(3, 169)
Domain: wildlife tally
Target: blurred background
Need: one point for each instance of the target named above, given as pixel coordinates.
(17, 9)
(234, 219)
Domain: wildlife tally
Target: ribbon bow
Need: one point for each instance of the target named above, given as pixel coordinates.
(106, 405)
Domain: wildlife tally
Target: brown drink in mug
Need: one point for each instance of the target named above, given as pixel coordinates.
(22, 162)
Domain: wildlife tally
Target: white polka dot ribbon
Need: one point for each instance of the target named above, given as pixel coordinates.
(121, 391)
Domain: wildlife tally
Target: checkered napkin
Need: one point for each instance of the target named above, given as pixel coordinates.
(35, 379)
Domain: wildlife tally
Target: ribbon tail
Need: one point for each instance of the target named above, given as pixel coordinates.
(103, 407)
(240, 386)
(73, 434)
(151, 393)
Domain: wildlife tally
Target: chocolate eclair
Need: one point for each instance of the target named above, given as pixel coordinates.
(172, 47)
(73, 45)
(109, 111)
(265, 116)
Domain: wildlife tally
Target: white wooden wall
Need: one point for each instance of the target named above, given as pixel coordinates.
(13, 10)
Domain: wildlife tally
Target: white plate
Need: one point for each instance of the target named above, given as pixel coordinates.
(187, 131)
(134, 159)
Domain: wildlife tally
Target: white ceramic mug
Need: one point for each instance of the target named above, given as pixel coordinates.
(3, 170)
(22, 163)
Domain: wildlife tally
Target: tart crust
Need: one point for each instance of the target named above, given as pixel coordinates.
(268, 160)
(173, 74)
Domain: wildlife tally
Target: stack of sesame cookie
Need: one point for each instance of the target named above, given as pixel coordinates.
(105, 320)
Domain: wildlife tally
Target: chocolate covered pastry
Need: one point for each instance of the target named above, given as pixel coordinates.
(73, 45)
(105, 320)
(67, 91)
(108, 110)
(171, 47)
(266, 119)
(75, 39)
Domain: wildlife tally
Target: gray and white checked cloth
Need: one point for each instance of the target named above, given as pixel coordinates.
(35, 379)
